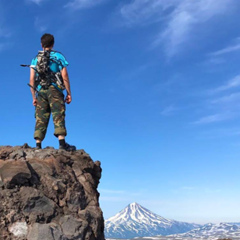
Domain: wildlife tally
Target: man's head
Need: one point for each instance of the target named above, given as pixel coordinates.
(47, 40)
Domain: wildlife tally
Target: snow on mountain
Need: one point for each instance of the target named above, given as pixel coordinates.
(209, 231)
(135, 220)
(235, 223)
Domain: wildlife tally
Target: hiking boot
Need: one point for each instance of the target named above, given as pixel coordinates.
(68, 147)
(37, 148)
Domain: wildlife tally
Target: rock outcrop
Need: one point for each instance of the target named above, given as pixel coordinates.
(49, 194)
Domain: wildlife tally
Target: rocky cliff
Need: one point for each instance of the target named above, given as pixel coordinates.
(49, 194)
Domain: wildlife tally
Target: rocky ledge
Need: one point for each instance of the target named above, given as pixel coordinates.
(49, 194)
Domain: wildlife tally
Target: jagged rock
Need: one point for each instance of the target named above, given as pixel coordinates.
(14, 173)
(19, 229)
(49, 194)
(37, 207)
(45, 231)
(72, 227)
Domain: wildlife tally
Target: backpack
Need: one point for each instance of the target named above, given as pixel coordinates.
(43, 60)
(45, 77)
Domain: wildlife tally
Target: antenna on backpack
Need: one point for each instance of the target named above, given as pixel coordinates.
(24, 65)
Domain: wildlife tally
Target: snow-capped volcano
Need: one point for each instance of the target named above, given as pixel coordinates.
(137, 221)
(135, 212)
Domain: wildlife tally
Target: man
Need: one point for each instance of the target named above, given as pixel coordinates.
(48, 95)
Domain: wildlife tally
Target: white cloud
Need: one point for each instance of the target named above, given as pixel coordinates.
(181, 17)
(144, 11)
(213, 118)
(223, 106)
(36, 1)
(2, 32)
(5, 46)
(231, 84)
(169, 110)
(231, 98)
(40, 24)
(229, 49)
(219, 56)
(223, 102)
(186, 17)
(83, 4)
(5, 31)
(220, 132)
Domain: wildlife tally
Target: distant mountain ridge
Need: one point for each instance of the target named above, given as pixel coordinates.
(235, 223)
(212, 231)
(207, 232)
(137, 221)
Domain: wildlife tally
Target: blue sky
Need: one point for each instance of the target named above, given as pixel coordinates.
(156, 97)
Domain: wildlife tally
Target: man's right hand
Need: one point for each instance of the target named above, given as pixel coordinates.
(34, 102)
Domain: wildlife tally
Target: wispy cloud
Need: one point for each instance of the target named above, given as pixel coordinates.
(177, 18)
(229, 49)
(38, 2)
(220, 56)
(222, 103)
(5, 31)
(213, 118)
(231, 84)
(221, 108)
(230, 98)
(185, 18)
(5, 45)
(83, 4)
(220, 133)
(169, 110)
(40, 24)
(142, 12)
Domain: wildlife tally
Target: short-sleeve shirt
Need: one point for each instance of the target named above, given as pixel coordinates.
(57, 63)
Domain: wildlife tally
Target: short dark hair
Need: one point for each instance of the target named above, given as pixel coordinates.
(47, 40)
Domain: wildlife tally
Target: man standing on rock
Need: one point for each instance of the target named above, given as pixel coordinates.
(48, 79)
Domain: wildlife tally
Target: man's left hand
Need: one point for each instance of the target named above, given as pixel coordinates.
(68, 99)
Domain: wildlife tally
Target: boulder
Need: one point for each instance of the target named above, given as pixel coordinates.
(49, 194)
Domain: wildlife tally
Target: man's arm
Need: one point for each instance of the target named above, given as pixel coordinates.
(67, 85)
(32, 79)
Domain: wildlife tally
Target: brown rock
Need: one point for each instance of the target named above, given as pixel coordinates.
(15, 173)
(51, 194)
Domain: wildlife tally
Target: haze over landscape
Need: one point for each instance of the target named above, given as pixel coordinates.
(156, 90)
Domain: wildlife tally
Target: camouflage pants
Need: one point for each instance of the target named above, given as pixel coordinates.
(50, 101)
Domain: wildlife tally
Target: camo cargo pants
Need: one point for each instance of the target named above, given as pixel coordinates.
(50, 101)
